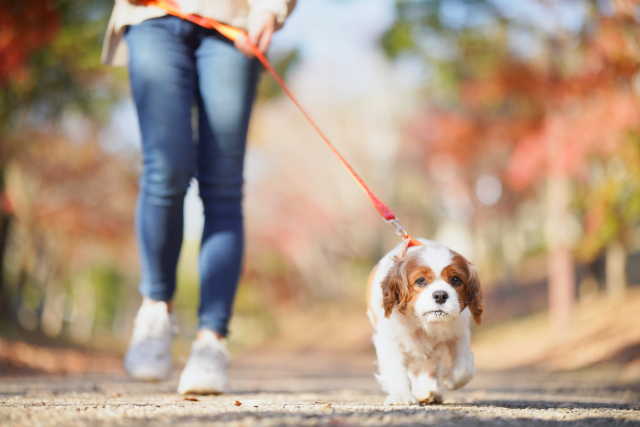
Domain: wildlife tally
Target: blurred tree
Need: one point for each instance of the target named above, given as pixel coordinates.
(25, 28)
(49, 65)
(268, 88)
(17, 44)
(543, 113)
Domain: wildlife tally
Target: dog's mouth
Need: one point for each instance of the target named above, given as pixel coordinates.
(437, 313)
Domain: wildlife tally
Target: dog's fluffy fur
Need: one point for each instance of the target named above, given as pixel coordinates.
(420, 304)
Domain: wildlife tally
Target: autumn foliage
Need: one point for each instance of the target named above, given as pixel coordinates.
(25, 27)
(564, 112)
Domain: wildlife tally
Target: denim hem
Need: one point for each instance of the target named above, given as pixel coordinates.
(222, 330)
(155, 295)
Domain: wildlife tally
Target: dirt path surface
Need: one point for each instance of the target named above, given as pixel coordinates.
(318, 389)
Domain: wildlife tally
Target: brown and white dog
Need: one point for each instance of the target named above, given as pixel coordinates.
(420, 303)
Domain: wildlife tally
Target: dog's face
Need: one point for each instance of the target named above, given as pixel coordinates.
(434, 283)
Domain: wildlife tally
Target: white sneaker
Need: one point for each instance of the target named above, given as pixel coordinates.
(148, 357)
(206, 369)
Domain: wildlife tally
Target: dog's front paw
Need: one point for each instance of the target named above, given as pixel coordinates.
(401, 399)
(459, 376)
(431, 398)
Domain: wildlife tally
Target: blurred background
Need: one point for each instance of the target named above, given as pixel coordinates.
(506, 130)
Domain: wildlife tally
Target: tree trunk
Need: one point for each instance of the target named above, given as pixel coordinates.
(561, 287)
(4, 231)
(6, 215)
(560, 268)
(615, 270)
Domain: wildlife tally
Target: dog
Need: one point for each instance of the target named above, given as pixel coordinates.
(420, 301)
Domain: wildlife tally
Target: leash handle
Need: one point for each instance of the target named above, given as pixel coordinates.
(233, 33)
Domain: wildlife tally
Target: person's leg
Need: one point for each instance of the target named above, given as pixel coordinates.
(163, 77)
(227, 84)
(226, 88)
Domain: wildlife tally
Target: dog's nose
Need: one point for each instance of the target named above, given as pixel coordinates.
(440, 297)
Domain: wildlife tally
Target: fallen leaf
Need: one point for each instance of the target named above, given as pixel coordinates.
(238, 403)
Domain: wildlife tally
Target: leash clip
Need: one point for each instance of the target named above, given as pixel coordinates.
(400, 231)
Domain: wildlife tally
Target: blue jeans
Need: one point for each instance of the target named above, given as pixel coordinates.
(175, 65)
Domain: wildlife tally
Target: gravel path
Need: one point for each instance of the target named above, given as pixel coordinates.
(318, 389)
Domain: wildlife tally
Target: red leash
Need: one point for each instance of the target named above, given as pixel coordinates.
(233, 33)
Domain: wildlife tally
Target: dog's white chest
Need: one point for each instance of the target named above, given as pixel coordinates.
(420, 343)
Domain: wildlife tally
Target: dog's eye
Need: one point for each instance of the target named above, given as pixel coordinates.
(456, 281)
(420, 281)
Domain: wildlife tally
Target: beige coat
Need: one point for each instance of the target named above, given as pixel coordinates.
(233, 12)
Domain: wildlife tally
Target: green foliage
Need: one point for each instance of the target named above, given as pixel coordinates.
(187, 296)
(31, 295)
(109, 290)
(61, 74)
(397, 40)
(610, 199)
(457, 39)
(268, 88)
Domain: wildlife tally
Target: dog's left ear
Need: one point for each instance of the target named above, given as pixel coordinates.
(474, 294)
(395, 287)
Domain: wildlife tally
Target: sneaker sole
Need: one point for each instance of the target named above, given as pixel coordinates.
(201, 391)
(141, 375)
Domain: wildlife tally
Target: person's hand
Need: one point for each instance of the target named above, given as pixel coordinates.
(261, 28)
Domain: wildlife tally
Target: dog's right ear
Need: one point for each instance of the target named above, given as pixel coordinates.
(474, 294)
(395, 287)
